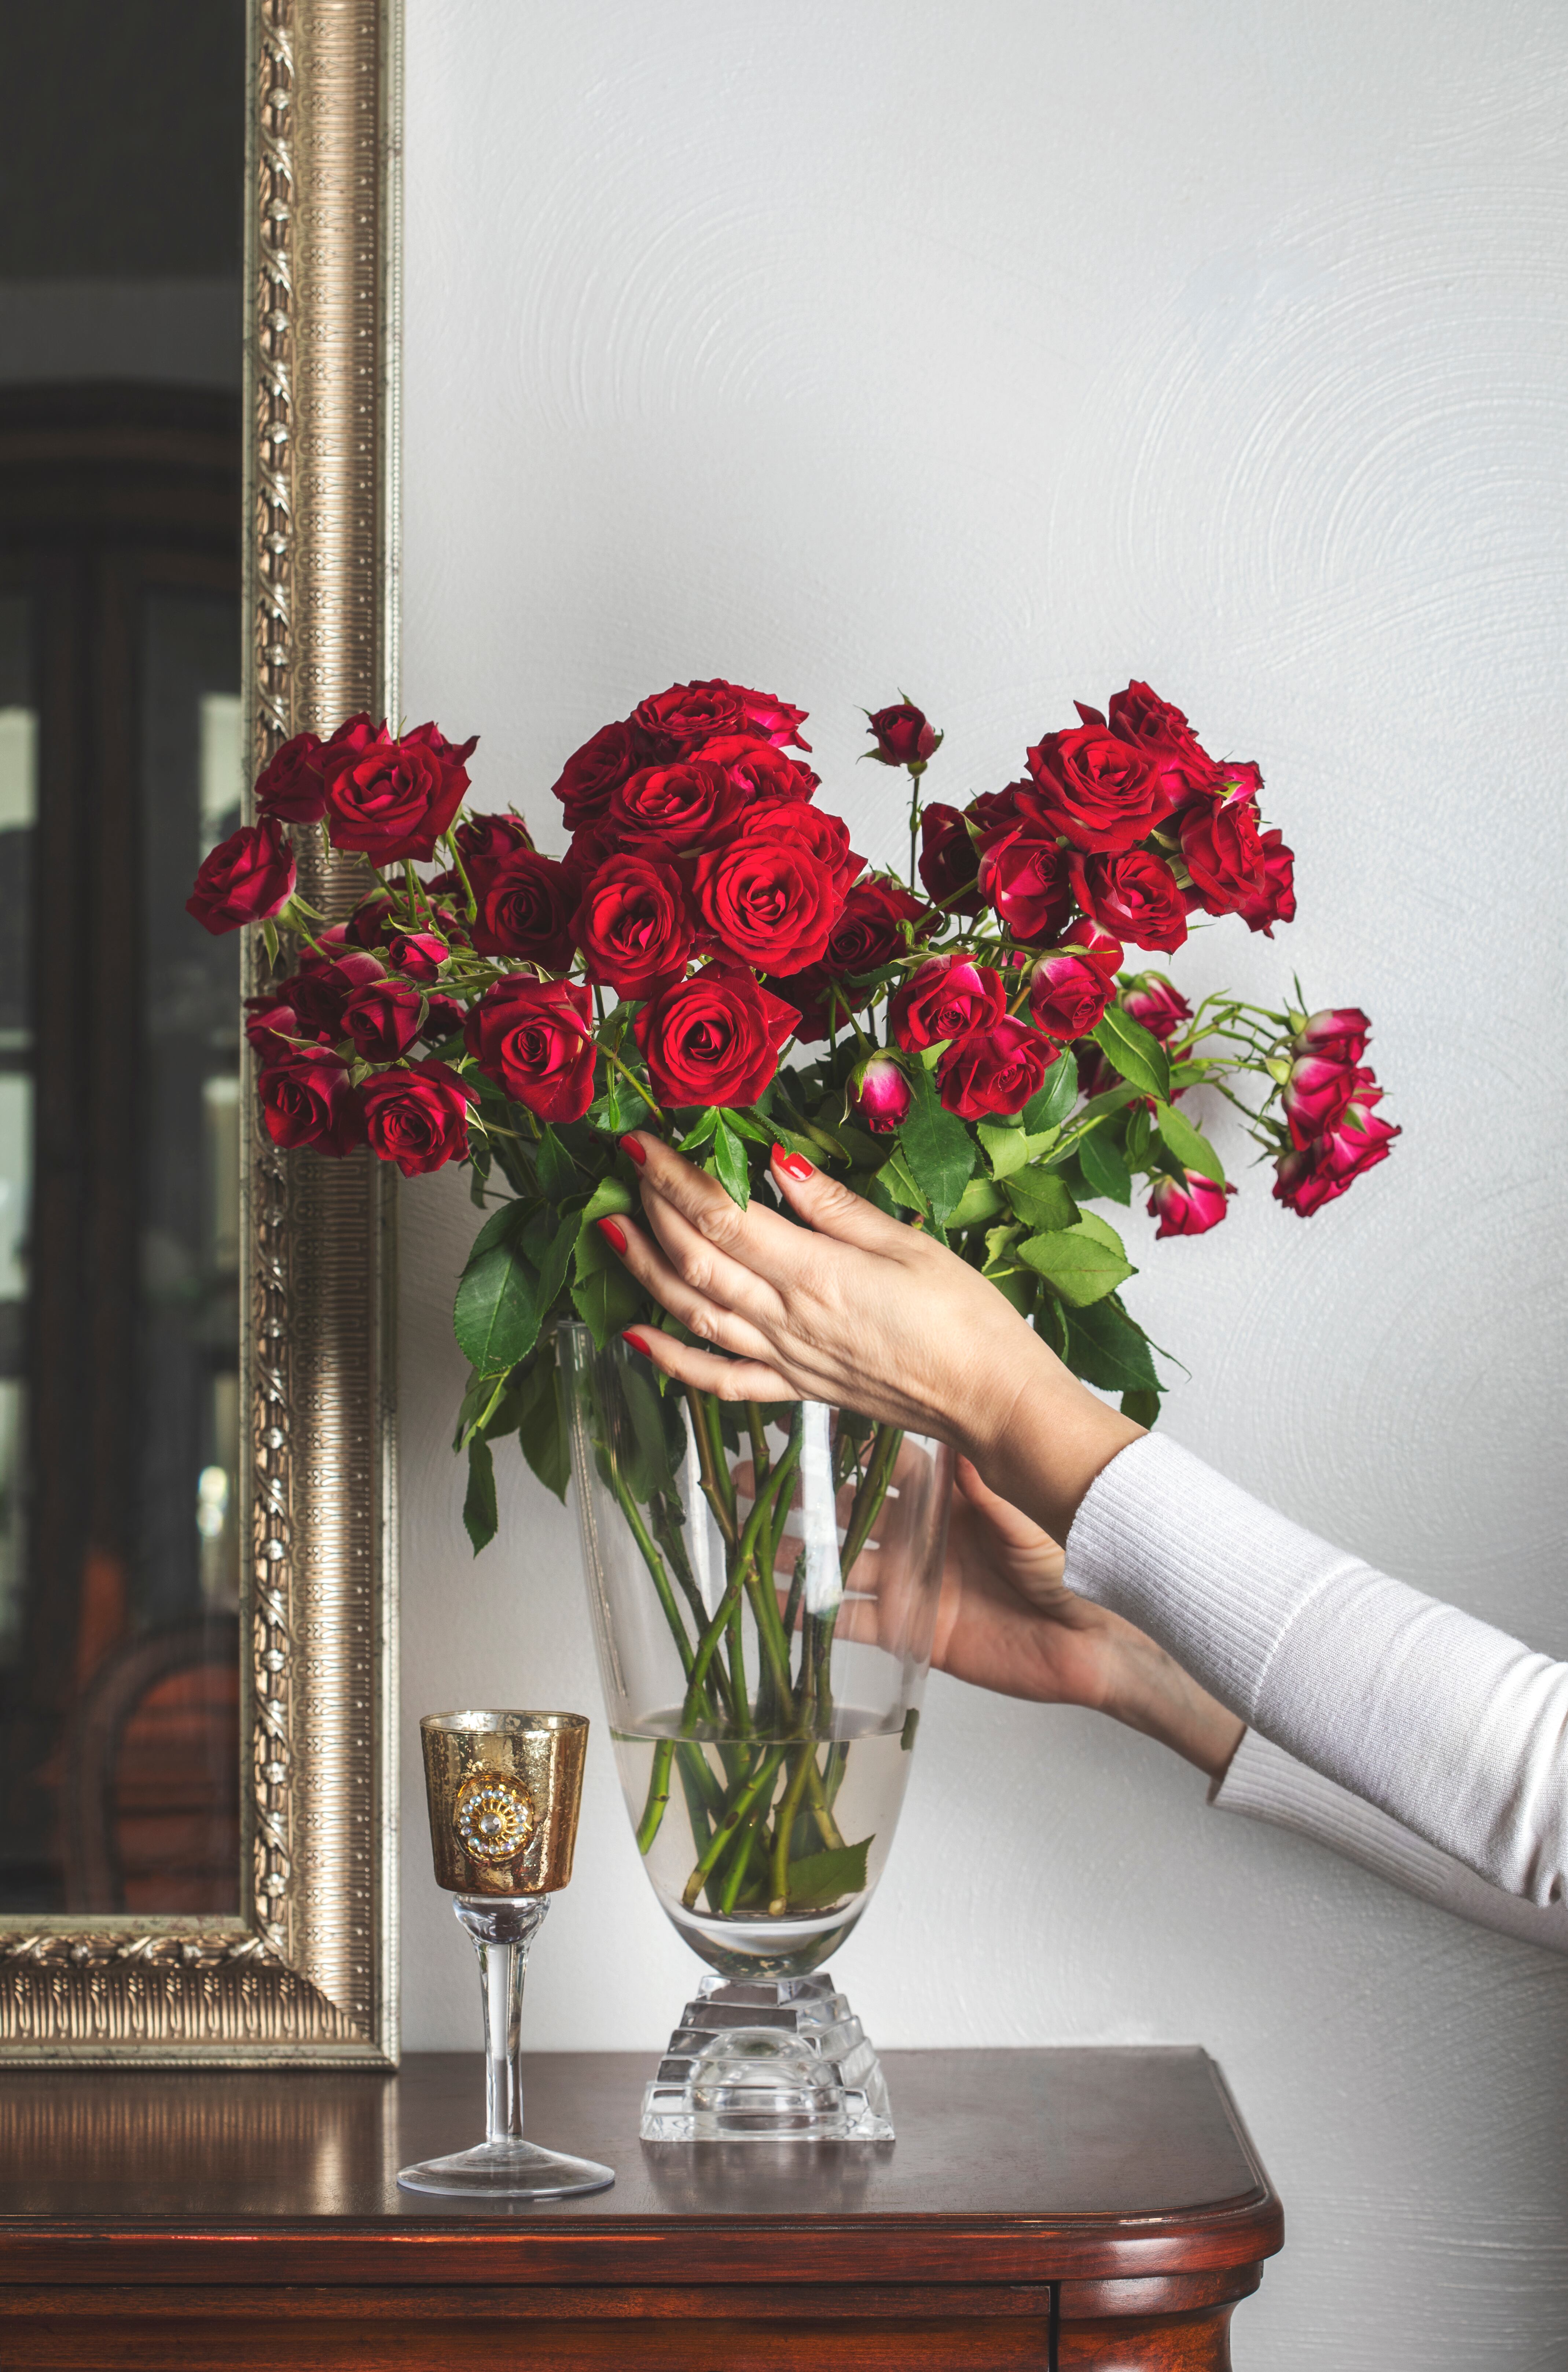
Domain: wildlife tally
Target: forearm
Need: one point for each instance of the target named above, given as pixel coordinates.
(1154, 1695)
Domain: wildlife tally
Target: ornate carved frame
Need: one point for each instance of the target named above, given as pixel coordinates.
(307, 1976)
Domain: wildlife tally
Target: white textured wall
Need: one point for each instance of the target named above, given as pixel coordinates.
(1001, 350)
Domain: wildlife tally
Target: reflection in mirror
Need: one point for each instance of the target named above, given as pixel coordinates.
(120, 766)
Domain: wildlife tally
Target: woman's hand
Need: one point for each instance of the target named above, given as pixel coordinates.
(857, 1308)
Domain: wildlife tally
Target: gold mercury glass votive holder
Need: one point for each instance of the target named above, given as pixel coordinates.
(503, 1791)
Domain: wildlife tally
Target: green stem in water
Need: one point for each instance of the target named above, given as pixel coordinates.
(784, 1822)
(657, 1795)
(718, 1843)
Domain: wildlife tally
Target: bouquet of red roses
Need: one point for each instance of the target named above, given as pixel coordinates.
(966, 1046)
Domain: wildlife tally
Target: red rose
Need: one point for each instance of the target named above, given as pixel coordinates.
(392, 798)
(880, 1096)
(995, 1070)
(1312, 1175)
(1183, 767)
(1276, 903)
(1097, 790)
(527, 912)
(272, 1021)
(592, 774)
(289, 785)
(760, 771)
(418, 955)
(774, 719)
(811, 992)
(1068, 993)
(383, 1020)
(903, 737)
(1224, 854)
(418, 1117)
(535, 1039)
(444, 1017)
(767, 897)
(870, 931)
(484, 843)
(676, 807)
(320, 991)
(1025, 877)
(1314, 1094)
(1188, 1205)
(366, 926)
(1133, 897)
(687, 714)
(1339, 1034)
(827, 837)
(307, 1099)
(247, 876)
(633, 926)
(714, 1038)
(950, 996)
(948, 862)
(1150, 999)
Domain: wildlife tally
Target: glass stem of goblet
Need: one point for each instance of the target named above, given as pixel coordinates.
(502, 1926)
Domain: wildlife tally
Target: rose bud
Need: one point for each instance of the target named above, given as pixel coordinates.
(633, 926)
(1314, 1094)
(535, 1039)
(1151, 1000)
(881, 1095)
(903, 737)
(418, 955)
(1339, 1034)
(1133, 897)
(1098, 791)
(246, 878)
(306, 1099)
(1312, 1175)
(322, 990)
(1070, 989)
(1024, 876)
(714, 1038)
(949, 862)
(1188, 1205)
(418, 1117)
(383, 1020)
(1276, 903)
(592, 774)
(995, 1070)
(949, 996)
(289, 785)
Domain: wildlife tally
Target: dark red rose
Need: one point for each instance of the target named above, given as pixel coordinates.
(870, 931)
(1133, 897)
(687, 714)
(1068, 993)
(367, 923)
(902, 736)
(1162, 1009)
(484, 843)
(320, 991)
(289, 785)
(949, 863)
(527, 912)
(247, 876)
(592, 774)
(1188, 1205)
(633, 926)
(1312, 1175)
(444, 1017)
(1276, 903)
(307, 1099)
(950, 996)
(758, 770)
(392, 798)
(1183, 767)
(1098, 790)
(714, 1038)
(1024, 876)
(767, 899)
(681, 807)
(272, 1021)
(1224, 854)
(880, 1096)
(535, 1039)
(418, 955)
(1339, 1034)
(1095, 1073)
(1314, 1094)
(418, 1116)
(995, 1070)
(774, 719)
(383, 1018)
(811, 992)
(996, 813)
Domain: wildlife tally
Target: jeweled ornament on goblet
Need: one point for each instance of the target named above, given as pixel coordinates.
(503, 1791)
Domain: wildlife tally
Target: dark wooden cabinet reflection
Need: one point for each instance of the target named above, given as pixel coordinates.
(120, 717)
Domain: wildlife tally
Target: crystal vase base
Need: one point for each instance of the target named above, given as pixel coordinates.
(768, 2059)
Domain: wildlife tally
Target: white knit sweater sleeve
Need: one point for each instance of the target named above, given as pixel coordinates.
(1266, 1783)
(1456, 1730)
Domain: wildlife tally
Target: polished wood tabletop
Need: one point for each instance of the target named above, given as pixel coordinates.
(1034, 2203)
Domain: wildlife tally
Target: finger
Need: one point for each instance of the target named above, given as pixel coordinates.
(834, 1210)
(706, 1269)
(727, 1379)
(696, 1312)
(756, 1239)
(1016, 1528)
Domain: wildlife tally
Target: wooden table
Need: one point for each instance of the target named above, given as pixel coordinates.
(1041, 2208)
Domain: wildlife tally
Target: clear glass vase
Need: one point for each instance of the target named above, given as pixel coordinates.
(763, 1582)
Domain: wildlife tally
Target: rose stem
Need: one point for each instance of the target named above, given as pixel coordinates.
(724, 1511)
(722, 1834)
(759, 1459)
(784, 1822)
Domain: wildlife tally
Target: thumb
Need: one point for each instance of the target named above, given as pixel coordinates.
(1010, 1524)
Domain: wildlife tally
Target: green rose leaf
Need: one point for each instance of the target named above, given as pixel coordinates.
(542, 1422)
(1040, 1198)
(1050, 1106)
(936, 1146)
(819, 1878)
(1109, 1350)
(1081, 1266)
(700, 1134)
(1135, 1052)
(1144, 1408)
(729, 1164)
(1006, 1149)
(980, 1200)
(1190, 1148)
(498, 1310)
(1105, 1172)
(480, 1519)
(557, 1170)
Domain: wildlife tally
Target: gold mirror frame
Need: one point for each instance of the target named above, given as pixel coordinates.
(308, 1976)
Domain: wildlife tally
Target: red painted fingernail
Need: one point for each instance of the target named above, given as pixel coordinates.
(616, 1236)
(638, 1342)
(792, 1164)
(630, 1147)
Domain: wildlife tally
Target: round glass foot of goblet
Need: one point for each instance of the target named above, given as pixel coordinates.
(507, 2169)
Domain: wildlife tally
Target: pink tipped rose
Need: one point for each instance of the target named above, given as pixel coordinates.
(1339, 1034)
(1188, 1205)
(1161, 1008)
(881, 1096)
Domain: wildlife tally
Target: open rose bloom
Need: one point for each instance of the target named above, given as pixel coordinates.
(970, 1043)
